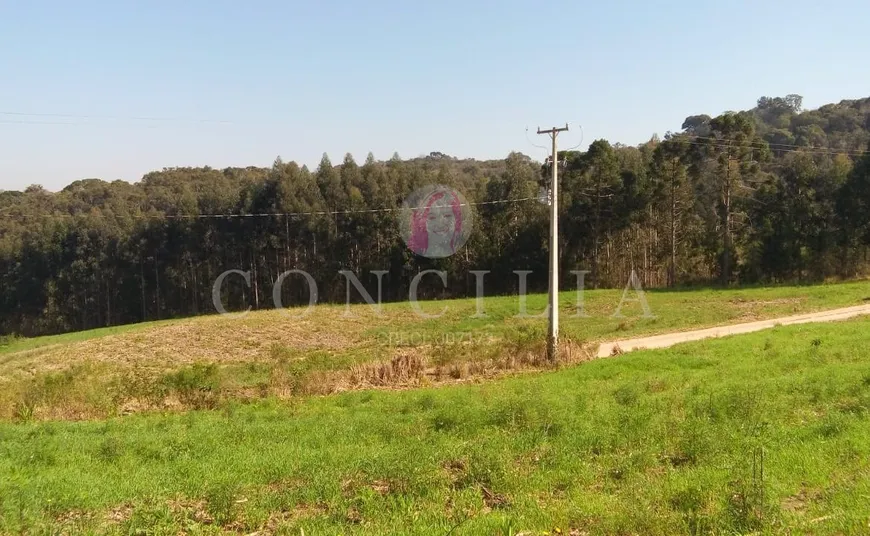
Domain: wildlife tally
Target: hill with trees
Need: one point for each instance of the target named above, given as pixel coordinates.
(771, 194)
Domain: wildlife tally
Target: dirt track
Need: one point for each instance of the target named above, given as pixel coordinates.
(670, 339)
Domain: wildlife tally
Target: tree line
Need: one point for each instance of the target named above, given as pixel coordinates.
(771, 194)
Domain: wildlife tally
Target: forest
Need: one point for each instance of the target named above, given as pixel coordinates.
(768, 195)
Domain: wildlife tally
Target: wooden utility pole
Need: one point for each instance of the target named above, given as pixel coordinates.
(553, 295)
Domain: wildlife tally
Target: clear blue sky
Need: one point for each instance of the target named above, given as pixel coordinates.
(298, 79)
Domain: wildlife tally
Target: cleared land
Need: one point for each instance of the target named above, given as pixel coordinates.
(206, 361)
(655, 442)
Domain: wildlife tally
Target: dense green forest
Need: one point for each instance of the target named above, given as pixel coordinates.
(772, 194)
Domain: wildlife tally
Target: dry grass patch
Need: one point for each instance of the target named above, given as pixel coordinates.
(91, 390)
(215, 339)
(411, 368)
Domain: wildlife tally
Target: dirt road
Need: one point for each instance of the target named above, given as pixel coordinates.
(670, 339)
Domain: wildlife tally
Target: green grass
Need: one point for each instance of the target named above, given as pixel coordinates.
(654, 442)
(672, 310)
(200, 362)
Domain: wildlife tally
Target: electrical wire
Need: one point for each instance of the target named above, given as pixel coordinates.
(761, 144)
(80, 124)
(581, 139)
(104, 117)
(332, 212)
(535, 144)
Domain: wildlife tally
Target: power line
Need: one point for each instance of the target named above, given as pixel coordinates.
(331, 212)
(581, 139)
(535, 144)
(805, 150)
(781, 147)
(78, 124)
(769, 143)
(108, 117)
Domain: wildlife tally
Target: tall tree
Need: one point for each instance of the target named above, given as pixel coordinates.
(736, 150)
(672, 189)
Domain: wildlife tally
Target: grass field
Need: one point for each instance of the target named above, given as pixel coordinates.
(203, 362)
(766, 432)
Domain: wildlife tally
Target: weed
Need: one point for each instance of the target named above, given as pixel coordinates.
(25, 406)
(831, 425)
(626, 395)
(149, 518)
(444, 422)
(426, 402)
(690, 502)
(692, 443)
(110, 449)
(857, 406)
(197, 386)
(221, 501)
(281, 353)
(746, 503)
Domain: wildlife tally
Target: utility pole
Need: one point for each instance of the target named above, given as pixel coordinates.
(553, 295)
